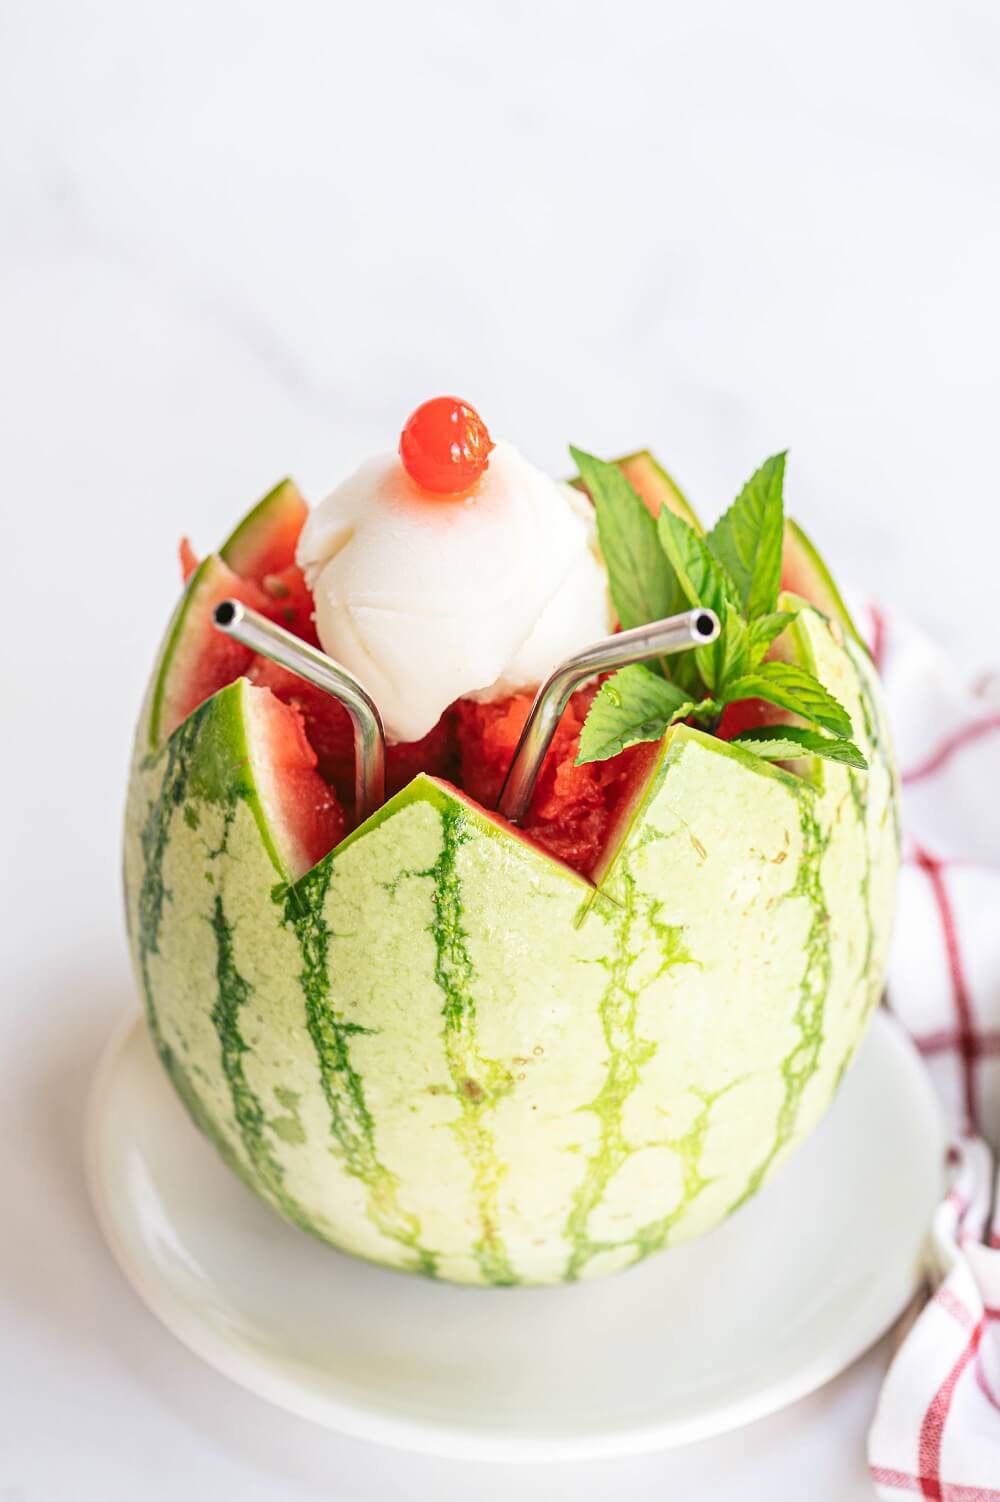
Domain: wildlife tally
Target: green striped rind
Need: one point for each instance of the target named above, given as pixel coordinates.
(446, 1052)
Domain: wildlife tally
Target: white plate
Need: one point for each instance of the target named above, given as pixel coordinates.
(700, 1339)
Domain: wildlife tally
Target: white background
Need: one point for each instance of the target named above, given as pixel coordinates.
(241, 240)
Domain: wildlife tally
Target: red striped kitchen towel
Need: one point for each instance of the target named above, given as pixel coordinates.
(936, 1432)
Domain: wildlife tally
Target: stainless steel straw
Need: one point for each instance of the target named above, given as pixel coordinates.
(678, 633)
(263, 636)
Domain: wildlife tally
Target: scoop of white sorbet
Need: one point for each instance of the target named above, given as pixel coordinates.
(428, 598)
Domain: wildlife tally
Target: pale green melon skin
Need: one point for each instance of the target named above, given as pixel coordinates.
(445, 1052)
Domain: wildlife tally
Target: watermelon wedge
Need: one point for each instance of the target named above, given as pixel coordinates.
(197, 660)
(647, 476)
(264, 541)
(653, 485)
(804, 573)
(301, 817)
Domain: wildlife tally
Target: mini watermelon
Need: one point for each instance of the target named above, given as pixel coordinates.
(434, 1043)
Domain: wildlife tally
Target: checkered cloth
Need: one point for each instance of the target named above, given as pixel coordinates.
(937, 1428)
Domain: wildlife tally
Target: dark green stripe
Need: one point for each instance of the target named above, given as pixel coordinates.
(627, 1053)
(233, 994)
(351, 1123)
(859, 786)
(801, 1063)
(174, 762)
(479, 1082)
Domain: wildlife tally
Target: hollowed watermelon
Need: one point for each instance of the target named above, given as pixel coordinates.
(440, 1047)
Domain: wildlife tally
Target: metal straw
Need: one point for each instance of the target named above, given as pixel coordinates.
(261, 635)
(678, 633)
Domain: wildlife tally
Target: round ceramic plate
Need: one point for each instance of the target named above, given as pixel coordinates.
(702, 1338)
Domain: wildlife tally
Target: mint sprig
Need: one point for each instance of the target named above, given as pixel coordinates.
(659, 568)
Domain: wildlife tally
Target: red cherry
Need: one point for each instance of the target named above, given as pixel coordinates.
(445, 446)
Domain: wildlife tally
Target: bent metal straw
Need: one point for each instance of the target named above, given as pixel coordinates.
(261, 635)
(677, 633)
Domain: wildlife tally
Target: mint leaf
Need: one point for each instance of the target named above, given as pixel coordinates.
(704, 581)
(786, 742)
(633, 705)
(732, 648)
(748, 539)
(642, 583)
(702, 578)
(765, 630)
(791, 687)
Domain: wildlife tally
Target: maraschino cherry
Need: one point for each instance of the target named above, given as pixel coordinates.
(445, 446)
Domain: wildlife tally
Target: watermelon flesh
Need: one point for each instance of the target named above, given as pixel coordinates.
(188, 557)
(328, 726)
(747, 715)
(291, 602)
(574, 808)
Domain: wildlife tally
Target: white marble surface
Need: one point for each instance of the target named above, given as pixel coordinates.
(243, 239)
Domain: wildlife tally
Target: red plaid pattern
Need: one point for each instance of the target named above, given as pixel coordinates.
(937, 1429)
